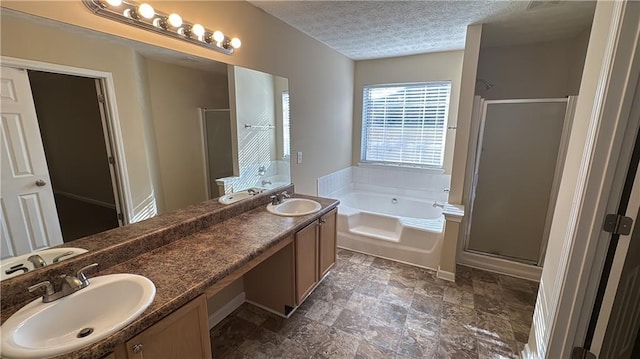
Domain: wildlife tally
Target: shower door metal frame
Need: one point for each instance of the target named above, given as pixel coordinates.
(555, 182)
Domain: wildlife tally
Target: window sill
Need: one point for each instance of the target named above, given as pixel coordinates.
(429, 170)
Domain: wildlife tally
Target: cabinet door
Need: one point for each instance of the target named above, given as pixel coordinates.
(306, 261)
(182, 334)
(327, 242)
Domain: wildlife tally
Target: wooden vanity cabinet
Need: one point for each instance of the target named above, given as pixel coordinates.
(315, 247)
(306, 246)
(182, 334)
(290, 271)
(328, 242)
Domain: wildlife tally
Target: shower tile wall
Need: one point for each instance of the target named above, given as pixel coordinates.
(402, 181)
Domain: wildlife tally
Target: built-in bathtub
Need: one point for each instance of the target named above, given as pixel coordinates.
(401, 228)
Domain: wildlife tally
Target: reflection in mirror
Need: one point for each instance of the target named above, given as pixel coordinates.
(262, 127)
(14, 266)
(171, 130)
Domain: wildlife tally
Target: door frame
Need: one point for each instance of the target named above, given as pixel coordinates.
(110, 124)
(620, 246)
(563, 323)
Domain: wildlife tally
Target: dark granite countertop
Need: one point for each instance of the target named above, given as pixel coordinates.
(183, 269)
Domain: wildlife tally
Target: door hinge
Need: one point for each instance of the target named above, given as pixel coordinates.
(617, 224)
(101, 98)
(120, 217)
(582, 353)
(111, 160)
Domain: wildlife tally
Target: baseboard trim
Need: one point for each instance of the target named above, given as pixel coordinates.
(444, 275)
(226, 309)
(85, 199)
(271, 310)
(526, 352)
(500, 266)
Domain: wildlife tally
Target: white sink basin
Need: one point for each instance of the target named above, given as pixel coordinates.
(48, 255)
(109, 303)
(235, 197)
(293, 207)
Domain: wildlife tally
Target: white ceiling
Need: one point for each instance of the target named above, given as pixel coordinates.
(377, 29)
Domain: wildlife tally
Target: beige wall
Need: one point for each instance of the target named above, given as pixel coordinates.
(320, 80)
(459, 165)
(71, 126)
(539, 70)
(440, 66)
(44, 43)
(176, 95)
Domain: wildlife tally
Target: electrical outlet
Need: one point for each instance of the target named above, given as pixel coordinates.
(299, 157)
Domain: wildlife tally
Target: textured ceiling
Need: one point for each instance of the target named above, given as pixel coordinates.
(377, 29)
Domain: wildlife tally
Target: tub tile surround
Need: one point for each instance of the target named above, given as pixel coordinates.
(198, 247)
(412, 314)
(404, 183)
(409, 182)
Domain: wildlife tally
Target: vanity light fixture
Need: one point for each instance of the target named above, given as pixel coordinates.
(144, 16)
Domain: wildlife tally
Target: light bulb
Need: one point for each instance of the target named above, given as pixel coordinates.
(145, 10)
(130, 14)
(160, 23)
(175, 20)
(114, 2)
(235, 43)
(198, 30)
(218, 36)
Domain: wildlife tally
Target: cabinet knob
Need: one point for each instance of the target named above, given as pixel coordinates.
(322, 221)
(137, 348)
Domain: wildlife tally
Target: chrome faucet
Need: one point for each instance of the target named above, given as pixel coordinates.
(438, 204)
(278, 198)
(69, 284)
(37, 261)
(58, 258)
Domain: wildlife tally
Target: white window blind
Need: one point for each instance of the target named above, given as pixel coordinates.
(405, 123)
(286, 136)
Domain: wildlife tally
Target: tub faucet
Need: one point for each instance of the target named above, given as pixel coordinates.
(37, 261)
(266, 182)
(69, 284)
(438, 204)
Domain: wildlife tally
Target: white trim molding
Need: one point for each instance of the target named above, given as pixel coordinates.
(444, 275)
(85, 199)
(500, 265)
(217, 316)
(115, 132)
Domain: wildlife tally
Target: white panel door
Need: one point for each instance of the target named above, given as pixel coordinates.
(29, 215)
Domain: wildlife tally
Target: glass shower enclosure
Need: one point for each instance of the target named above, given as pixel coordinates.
(518, 160)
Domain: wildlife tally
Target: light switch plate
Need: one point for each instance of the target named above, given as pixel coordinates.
(299, 157)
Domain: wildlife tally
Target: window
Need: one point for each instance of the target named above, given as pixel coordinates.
(286, 136)
(405, 124)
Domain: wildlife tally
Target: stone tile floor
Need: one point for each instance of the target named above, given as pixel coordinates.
(369, 307)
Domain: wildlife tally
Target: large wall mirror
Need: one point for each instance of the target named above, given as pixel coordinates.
(186, 130)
